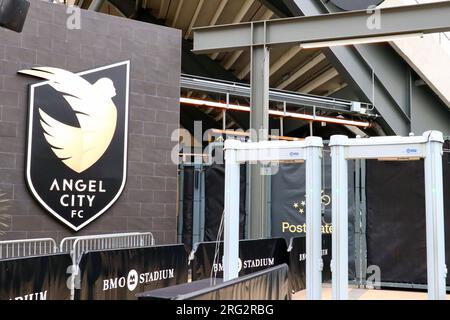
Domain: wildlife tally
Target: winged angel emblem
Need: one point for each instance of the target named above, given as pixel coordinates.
(79, 147)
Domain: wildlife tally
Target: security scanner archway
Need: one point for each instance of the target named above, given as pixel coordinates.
(428, 147)
(310, 151)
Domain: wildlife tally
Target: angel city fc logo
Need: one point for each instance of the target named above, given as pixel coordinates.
(77, 140)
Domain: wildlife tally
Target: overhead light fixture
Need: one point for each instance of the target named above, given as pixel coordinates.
(246, 134)
(213, 104)
(307, 117)
(346, 42)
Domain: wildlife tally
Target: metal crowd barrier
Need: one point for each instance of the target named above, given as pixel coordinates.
(27, 248)
(75, 246)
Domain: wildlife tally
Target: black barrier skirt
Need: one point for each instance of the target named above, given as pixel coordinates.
(214, 198)
(188, 206)
(120, 274)
(254, 255)
(396, 237)
(35, 278)
(297, 261)
(269, 284)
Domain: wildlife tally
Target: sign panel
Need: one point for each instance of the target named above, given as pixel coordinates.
(121, 274)
(35, 278)
(254, 255)
(297, 261)
(77, 140)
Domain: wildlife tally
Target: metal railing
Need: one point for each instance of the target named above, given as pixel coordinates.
(75, 246)
(27, 248)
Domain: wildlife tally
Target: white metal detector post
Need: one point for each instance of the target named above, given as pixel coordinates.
(427, 147)
(309, 150)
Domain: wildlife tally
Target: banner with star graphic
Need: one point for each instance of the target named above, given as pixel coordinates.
(289, 203)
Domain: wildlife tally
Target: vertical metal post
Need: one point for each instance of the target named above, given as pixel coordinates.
(247, 201)
(314, 264)
(224, 112)
(436, 269)
(363, 222)
(357, 223)
(259, 125)
(224, 119)
(231, 212)
(339, 218)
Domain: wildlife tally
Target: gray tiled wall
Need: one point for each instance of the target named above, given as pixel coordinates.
(148, 202)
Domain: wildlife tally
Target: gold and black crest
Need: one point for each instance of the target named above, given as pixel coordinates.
(77, 140)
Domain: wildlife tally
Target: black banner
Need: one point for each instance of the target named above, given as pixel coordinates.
(214, 195)
(254, 255)
(396, 237)
(188, 206)
(120, 274)
(35, 278)
(269, 284)
(297, 261)
(289, 203)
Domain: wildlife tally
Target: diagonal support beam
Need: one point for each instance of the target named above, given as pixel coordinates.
(424, 18)
(320, 80)
(164, 6)
(235, 56)
(238, 18)
(95, 5)
(286, 57)
(218, 12)
(177, 13)
(305, 68)
(194, 19)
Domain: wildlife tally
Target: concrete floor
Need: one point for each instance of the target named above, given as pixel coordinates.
(365, 294)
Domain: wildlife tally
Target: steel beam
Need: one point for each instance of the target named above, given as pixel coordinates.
(259, 123)
(235, 56)
(177, 13)
(424, 18)
(164, 6)
(194, 19)
(237, 18)
(298, 99)
(218, 12)
(96, 5)
(303, 69)
(320, 80)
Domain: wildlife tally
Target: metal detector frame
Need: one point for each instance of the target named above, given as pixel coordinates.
(310, 151)
(429, 147)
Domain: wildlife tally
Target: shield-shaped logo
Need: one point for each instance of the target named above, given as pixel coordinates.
(77, 140)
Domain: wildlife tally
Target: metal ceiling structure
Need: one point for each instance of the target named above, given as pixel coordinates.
(369, 73)
(306, 72)
(293, 69)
